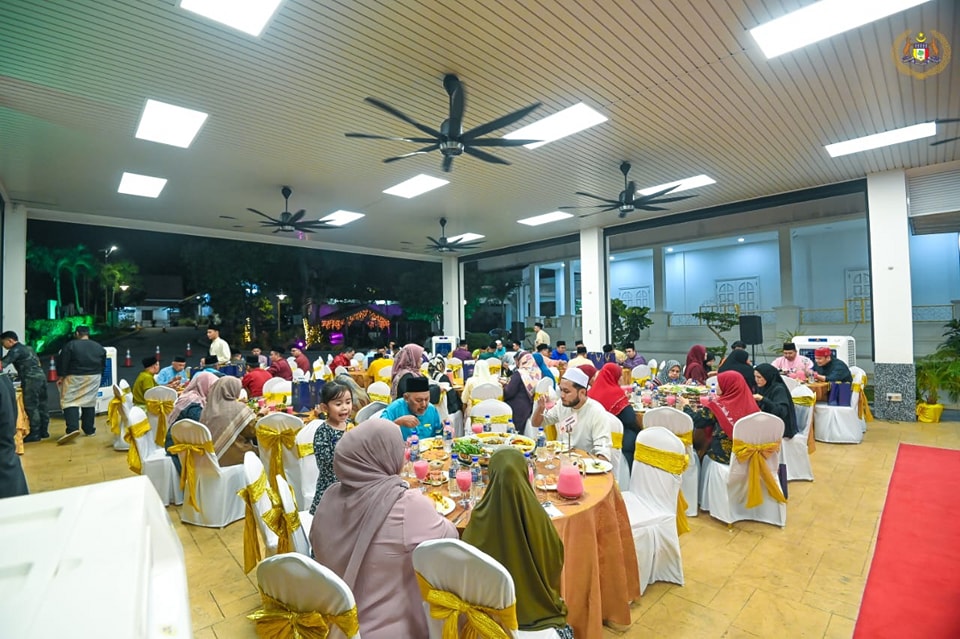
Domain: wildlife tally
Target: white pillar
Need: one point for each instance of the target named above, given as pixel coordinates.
(891, 295)
(593, 288)
(659, 281)
(453, 297)
(15, 270)
(786, 266)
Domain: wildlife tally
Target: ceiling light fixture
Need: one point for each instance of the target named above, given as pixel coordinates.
(249, 16)
(466, 237)
(669, 249)
(546, 218)
(878, 140)
(415, 186)
(142, 185)
(822, 20)
(169, 124)
(741, 240)
(341, 218)
(559, 125)
(682, 185)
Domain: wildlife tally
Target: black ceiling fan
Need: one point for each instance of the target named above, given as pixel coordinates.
(946, 121)
(628, 201)
(290, 222)
(451, 140)
(445, 245)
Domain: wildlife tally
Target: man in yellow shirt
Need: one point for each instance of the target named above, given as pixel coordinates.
(376, 364)
(145, 380)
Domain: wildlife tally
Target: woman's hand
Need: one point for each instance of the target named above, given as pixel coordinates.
(757, 396)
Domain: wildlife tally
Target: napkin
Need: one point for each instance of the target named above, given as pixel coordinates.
(552, 510)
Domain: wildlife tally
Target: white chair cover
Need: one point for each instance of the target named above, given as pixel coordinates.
(790, 382)
(287, 498)
(379, 392)
(278, 385)
(641, 372)
(291, 456)
(712, 382)
(305, 586)
(679, 423)
(555, 372)
(369, 411)
(308, 463)
(795, 453)
(252, 470)
(216, 487)
(652, 508)
(341, 370)
(122, 392)
(385, 375)
(486, 391)
(163, 394)
(474, 576)
(841, 424)
(493, 408)
(620, 473)
(154, 461)
(652, 363)
(724, 488)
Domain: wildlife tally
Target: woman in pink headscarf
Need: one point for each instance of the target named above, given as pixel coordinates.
(407, 363)
(189, 406)
(367, 525)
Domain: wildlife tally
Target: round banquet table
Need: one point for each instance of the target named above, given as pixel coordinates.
(600, 575)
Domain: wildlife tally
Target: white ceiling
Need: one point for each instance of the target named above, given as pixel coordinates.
(684, 86)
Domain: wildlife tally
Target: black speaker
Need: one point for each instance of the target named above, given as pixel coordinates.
(751, 329)
(517, 332)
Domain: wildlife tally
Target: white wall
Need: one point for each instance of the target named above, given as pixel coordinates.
(819, 262)
(934, 269)
(629, 273)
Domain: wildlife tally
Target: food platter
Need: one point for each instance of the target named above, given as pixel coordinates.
(597, 466)
(485, 444)
(434, 454)
(442, 503)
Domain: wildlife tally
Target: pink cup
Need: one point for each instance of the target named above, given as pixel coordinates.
(464, 480)
(421, 467)
(671, 400)
(477, 427)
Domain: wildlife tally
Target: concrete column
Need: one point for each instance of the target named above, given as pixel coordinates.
(889, 235)
(15, 270)
(593, 288)
(659, 281)
(786, 267)
(560, 286)
(452, 273)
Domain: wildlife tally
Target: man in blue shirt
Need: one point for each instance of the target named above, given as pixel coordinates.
(560, 352)
(175, 371)
(413, 412)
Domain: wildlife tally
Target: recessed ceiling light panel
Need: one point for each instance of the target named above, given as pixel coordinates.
(682, 185)
(415, 186)
(466, 237)
(169, 124)
(546, 218)
(249, 16)
(142, 185)
(341, 218)
(559, 125)
(878, 140)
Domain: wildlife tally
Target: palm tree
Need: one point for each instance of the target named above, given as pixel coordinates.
(78, 261)
(50, 262)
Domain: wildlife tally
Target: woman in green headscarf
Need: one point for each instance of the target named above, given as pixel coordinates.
(532, 551)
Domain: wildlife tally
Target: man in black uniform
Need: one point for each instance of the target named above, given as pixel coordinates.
(32, 383)
(81, 365)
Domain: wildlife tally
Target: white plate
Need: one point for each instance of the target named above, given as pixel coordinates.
(445, 507)
(597, 466)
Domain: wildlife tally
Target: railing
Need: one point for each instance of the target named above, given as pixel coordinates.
(933, 313)
(689, 319)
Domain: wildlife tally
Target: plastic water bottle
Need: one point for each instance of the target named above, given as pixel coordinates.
(510, 427)
(531, 468)
(541, 438)
(486, 424)
(447, 436)
(476, 472)
(414, 448)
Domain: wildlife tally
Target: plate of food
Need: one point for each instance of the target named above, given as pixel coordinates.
(495, 440)
(434, 454)
(442, 503)
(597, 466)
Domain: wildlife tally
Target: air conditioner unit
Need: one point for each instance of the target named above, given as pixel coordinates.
(442, 345)
(843, 348)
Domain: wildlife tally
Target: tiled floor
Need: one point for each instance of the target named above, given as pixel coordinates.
(749, 580)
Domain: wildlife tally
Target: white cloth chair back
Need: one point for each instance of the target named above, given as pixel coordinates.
(486, 391)
(308, 463)
(217, 487)
(620, 473)
(369, 411)
(790, 382)
(712, 382)
(341, 370)
(546, 387)
(290, 456)
(652, 508)
(277, 385)
(652, 363)
(841, 424)
(493, 408)
(288, 499)
(679, 423)
(641, 372)
(379, 392)
(305, 586)
(252, 471)
(555, 372)
(385, 375)
(162, 394)
(154, 462)
(794, 451)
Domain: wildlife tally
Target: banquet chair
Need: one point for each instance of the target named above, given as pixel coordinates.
(652, 363)
(371, 410)
(455, 366)
(308, 463)
(724, 489)
(653, 506)
(340, 370)
(681, 425)
(117, 410)
(277, 391)
(790, 382)
(454, 566)
(555, 372)
(257, 503)
(640, 374)
(145, 457)
(621, 473)
(484, 391)
(498, 411)
(211, 499)
(546, 389)
(293, 584)
(385, 375)
(160, 402)
(379, 392)
(842, 424)
(291, 509)
(495, 366)
(277, 439)
(795, 453)
(360, 361)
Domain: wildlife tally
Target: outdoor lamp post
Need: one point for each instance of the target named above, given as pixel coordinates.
(280, 297)
(106, 287)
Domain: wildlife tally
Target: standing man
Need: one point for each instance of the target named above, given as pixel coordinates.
(218, 346)
(175, 374)
(32, 383)
(145, 380)
(302, 362)
(81, 363)
(540, 336)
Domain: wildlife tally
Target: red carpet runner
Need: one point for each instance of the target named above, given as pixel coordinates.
(913, 589)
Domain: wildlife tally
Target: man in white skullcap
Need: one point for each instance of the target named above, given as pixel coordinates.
(585, 418)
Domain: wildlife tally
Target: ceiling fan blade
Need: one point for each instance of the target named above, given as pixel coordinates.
(665, 200)
(264, 215)
(654, 195)
(647, 207)
(939, 142)
(946, 120)
(609, 208)
(447, 163)
(296, 217)
(591, 206)
(370, 136)
(434, 240)
(483, 155)
(383, 106)
(500, 142)
(597, 197)
(500, 122)
(455, 90)
(426, 149)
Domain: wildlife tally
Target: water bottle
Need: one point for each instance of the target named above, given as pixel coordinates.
(476, 472)
(414, 448)
(452, 471)
(486, 424)
(531, 468)
(541, 438)
(447, 436)
(510, 427)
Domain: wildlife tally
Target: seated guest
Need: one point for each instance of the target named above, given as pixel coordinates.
(738, 345)
(336, 403)
(261, 358)
(609, 355)
(792, 363)
(413, 412)
(591, 432)
(531, 551)
(500, 349)
(519, 391)
(175, 374)
(209, 364)
(278, 365)
(696, 370)
(739, 361)
(406, 365)
(377, 364)
(515, 346)
(490, 352)
(302, 362)
(544, 351)
(255, 377)
(560, 352)
(634, 358)
(828, 368)
(230, 422)
(714, 425)
(462, 352)
(343, 358)
(774, 397)
(189, 405)
(669, 373)
(367, 525)
(437, 370)
(606, 390)
(591, 373)
(581, 358)
(145, 380)
(481, 375)
(709, 364)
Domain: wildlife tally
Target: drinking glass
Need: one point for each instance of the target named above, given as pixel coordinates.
(464, 481)
(551, 455)
(477, 428)
(406, 462)
(453, 489)
(421, 467)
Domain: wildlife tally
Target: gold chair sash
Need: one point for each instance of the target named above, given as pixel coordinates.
(160, 408)
(273, 441)
(673, 463)
(278, 621)
(805, 401)
(251, 541)
(114, 411)
(863, 408)
(500, 419)
(133, 455)
(481, 622)
(641, 380)
(283, 524)
(755, 455)
(377, 397)
(277, 398)
(686, 438)
(188, 475)
(617, 439)
(305, 450)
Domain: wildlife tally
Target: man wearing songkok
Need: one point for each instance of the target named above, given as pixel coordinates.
(560, 352)
(586, 419)
(81, 363)
(540, 336)
(33, 383)
(278, 365)
(462, 352)
(634, 358)
(218, 345)
(829, 369)
(302, 362)
(210, 364)
(175, 374)
(413, 412)
(255, 377)
(580, 359)
(791, 362)
(145, 380)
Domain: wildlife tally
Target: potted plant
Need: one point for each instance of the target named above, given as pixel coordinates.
(931, 377)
